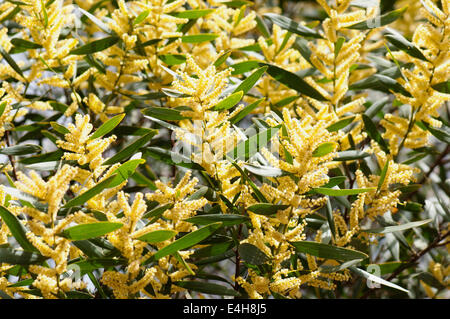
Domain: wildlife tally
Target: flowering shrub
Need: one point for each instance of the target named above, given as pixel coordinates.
(191, 148)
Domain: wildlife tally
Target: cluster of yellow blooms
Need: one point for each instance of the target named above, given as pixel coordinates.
(161, 46)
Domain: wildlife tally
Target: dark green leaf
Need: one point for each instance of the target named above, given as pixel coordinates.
(164, 113)
(21, 43)
(130, 149)
(20, 257)
(266, 208)
(401, 43)
(172, 158)
(380, 21)
(187, 241)
(252, 254)
(292, 26)
(21, 149)
(248, 148)
(17, 229)
(245, 111)
(340, 124)
(293, 81)
(95, 46)
(87, 195)
(124, 171)
(342, 192)
(198, 38)
(327, 251)
(373, 133)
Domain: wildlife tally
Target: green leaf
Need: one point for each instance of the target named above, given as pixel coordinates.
(330, 217)
(198, 38)
(221, 59)
(245, 111)
(172, 158)
(342, 192)
(2, 107)
(401, 43)
(229, 102)
(141, 17)
(191, 14)
(225, 219)
(338, 45)
(350, 155)
(95, 46)
(17, 229)
(59, 128)
(390, 229)
(90, 230)
(157, 236)
(20, 257)
(172, 59)
(249, 82)
(266, 209)
(22, 149)
(11, 61)
(107, 127)
(245, 66)
(130, 149)
(292, 26)
(340, 124)
(124, 171)
(157, 212)
(21, 43)
(187, 241)
(383, 175)
(333, 181)
(439, 134)
(252, 254)
(324, 149)
(164, 113)
(430, 280)
(91, 264)
(380, 21)
(373, 133)
(327, 251)
(293, 81)
(374, 278)
(87, 195)
(246, 149)
(207, 288)
(258, 193)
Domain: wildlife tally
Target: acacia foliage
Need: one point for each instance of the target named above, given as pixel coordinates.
(164, 148)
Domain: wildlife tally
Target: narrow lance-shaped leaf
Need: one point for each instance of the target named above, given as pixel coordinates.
(107, 127)
(16, 228)
(124, 171)
(157, 236)
(266, 208)
(130, 149)
(87, 195)
(390, 229)
(342, 192)
(20, 257)
(249, 82)
(253, 144)
(186, 241)
(379, 21)
(327, 251)
(293, 81)
(95, 46)
(90, 230)
(372, 131)
(226, 219)
(252, 254)
(401, 43)
(21, 149)
(292, 26)
(163, 113)
(324, 149)
(228, 102)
